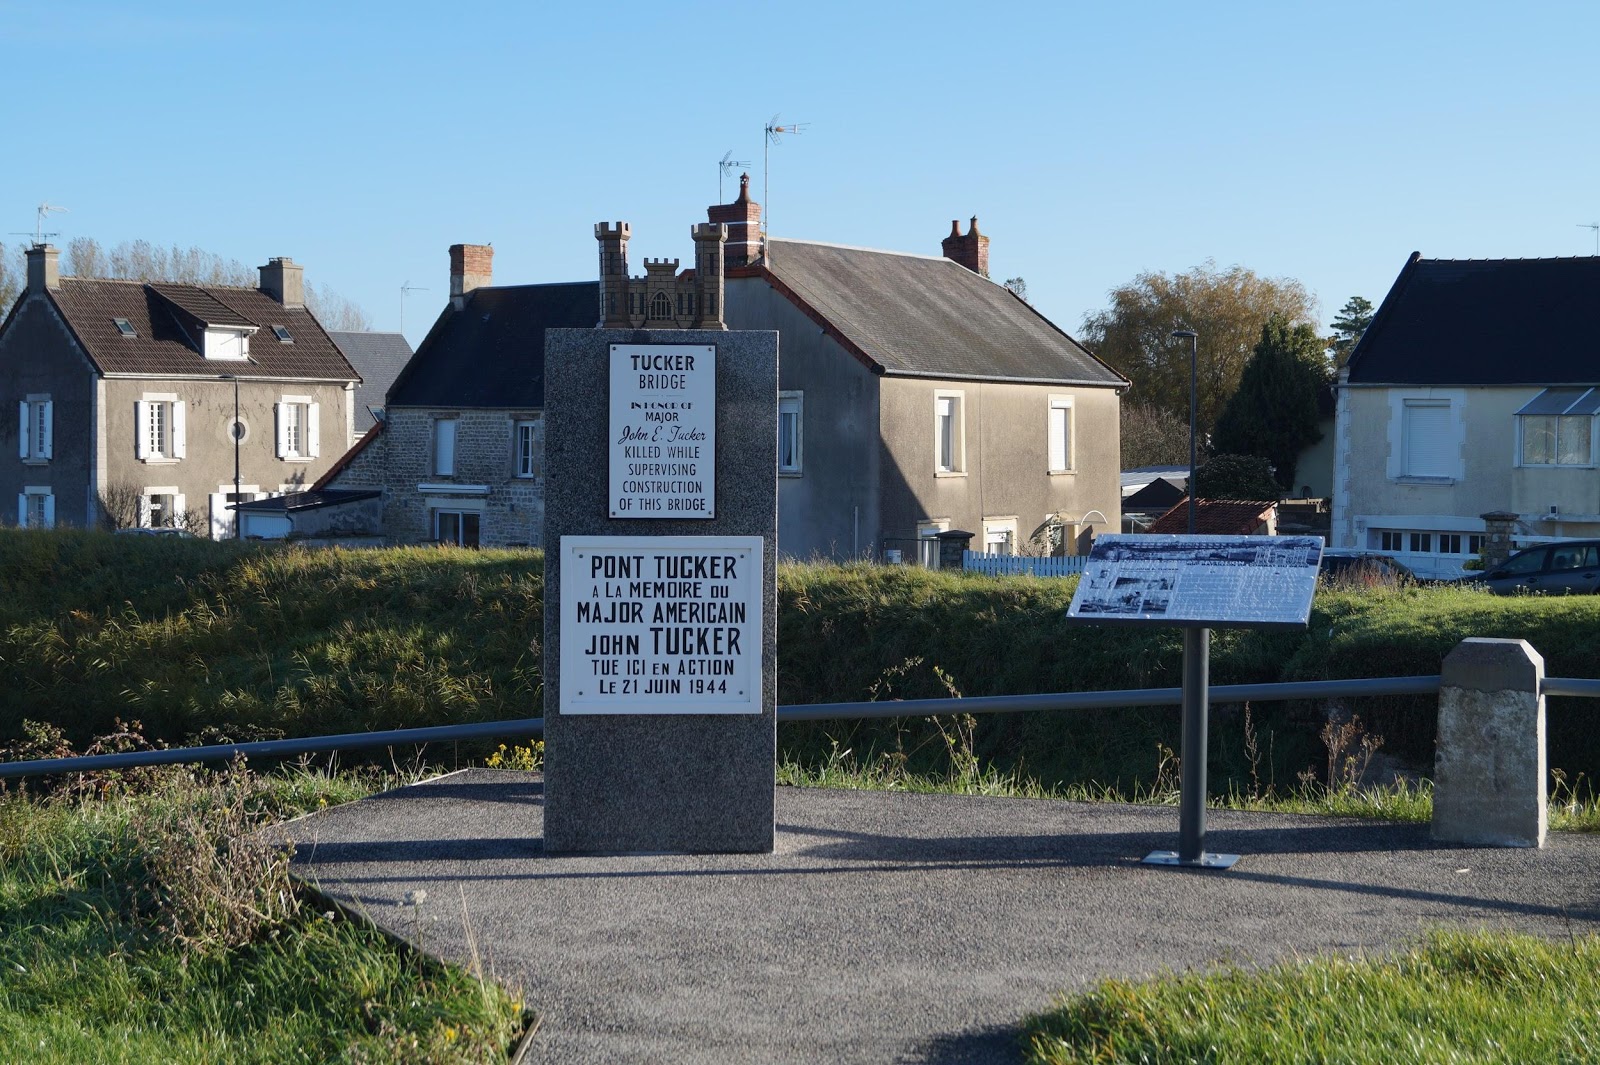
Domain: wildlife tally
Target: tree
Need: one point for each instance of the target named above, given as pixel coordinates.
(139, 260)
(1018, 286)
(10, 281)
(1235, 477)
(1354, 317)
(1273, 415)
(1226, 307)
(1153, 437)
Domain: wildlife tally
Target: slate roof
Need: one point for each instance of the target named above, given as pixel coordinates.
(491, 353)
(312, 499)
(918, 315)
(1484, 322)
(1215, 517)
(168, 320)
(378, 358)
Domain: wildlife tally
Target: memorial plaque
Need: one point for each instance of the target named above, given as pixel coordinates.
(661, 624)
(1209, 581)
(663, 431)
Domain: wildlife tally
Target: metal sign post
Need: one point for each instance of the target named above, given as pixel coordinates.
(1197, 583)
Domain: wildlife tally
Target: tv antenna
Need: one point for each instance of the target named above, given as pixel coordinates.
(728, 163)
(1596, 227)
(406, 288)
(43, 211)
(773, 131)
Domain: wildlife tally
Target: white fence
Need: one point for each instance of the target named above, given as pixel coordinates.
(1005, 565)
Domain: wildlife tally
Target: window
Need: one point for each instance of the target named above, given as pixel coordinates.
(791, 410)
(224, 521)
(1525, 563)
(459, 527)
(160, 428)
(282, 334)
(1060, 430)
(35, 428)
(660, 306)
(299, 428)
(36, 508)
(1391, 541)
(1421, 542)
(527, 449)
(124, 327)
(1426, 439)
(232, 345)
(949, 440)
(1575, 556)
(1475, 543)
(161, 508)
(1449, 543)
(1000, 536)
(1557, 427)
(444, 447)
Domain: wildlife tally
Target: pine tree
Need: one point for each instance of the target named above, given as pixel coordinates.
(1273, 415)
(1354, 317)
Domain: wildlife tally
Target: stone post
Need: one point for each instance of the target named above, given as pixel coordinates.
(1498, 526)
(952, 542)
(1489, 774)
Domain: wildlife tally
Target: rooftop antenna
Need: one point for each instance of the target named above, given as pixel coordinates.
(406, 288)
(43, 211)
(773, 132)
(728, 163)
(1596, 227)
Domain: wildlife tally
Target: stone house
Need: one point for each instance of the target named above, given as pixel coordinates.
(161, 404)
(916, 395)
(1472, 393)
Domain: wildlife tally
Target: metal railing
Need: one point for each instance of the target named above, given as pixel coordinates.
(520, 728)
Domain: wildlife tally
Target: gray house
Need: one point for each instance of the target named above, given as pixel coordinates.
(916, 396)
(379, 358)
(140, 404)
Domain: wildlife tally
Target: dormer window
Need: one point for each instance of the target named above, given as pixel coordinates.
(282, 334)
(231, 345)
(125, 327)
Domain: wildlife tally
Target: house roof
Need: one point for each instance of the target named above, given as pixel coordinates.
(1215, 517)
(491, 352)
(378, 358)
(919, 315)
(1484, 322)
(314, 499)
(1159, 494)
(168, 319)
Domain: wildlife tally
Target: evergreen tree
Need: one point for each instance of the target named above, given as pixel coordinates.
(1235, 477)
(1273, 415)
(1354, 317)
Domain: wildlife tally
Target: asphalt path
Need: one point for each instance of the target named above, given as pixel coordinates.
(888, 927)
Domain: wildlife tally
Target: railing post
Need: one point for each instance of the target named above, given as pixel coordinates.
(1489, 774)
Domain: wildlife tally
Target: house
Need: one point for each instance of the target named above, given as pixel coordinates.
(160, 404)
(459, 455)
(378, 358)
(1473, 391)
(1149, 492)
(916, 395)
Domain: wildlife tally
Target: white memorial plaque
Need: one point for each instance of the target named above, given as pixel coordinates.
(1210, 581)
(661, 624)
(663, 430)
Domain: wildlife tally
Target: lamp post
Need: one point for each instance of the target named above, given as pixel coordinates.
(1194, 393)
(236, 431)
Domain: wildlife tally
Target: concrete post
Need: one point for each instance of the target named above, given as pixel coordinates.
(952, 542)
(1489, 774)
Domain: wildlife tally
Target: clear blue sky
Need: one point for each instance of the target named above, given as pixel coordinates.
(1094, 141)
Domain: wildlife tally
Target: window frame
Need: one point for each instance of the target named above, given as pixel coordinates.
(36, 428)
(525, 454)
(437, 452)
(438, 515)
(1068, 429)
(1006, 528)
(164, 443)
(300, 415)
(957, 465)
(42, 497)
(1556, 438)
(795, 402)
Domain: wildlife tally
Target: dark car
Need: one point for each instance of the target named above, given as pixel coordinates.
(1362, 567)
(1552, 569)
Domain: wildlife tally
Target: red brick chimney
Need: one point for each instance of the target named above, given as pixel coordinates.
(970, 249)
(743, 219)
(471, 266)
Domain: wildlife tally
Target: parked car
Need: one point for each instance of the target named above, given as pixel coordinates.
(163, 530)
(1569, 567)
(1346, 565)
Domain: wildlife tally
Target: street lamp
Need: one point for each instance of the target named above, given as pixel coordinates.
(237, 432)
(1194, 362)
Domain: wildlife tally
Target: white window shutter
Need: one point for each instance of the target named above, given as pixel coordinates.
(22, 429)
(22, 510)
(144, 512)
(283, 430)
(50, 511)
(141, 429)
(180, 428)
(313, 429)
(49, 429)
(179, 509)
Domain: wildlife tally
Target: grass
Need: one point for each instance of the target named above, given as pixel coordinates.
(145, 924)
(1455, 997)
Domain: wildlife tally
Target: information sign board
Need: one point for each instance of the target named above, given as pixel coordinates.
(1199, 581)
(661, 624)
(663, 430)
